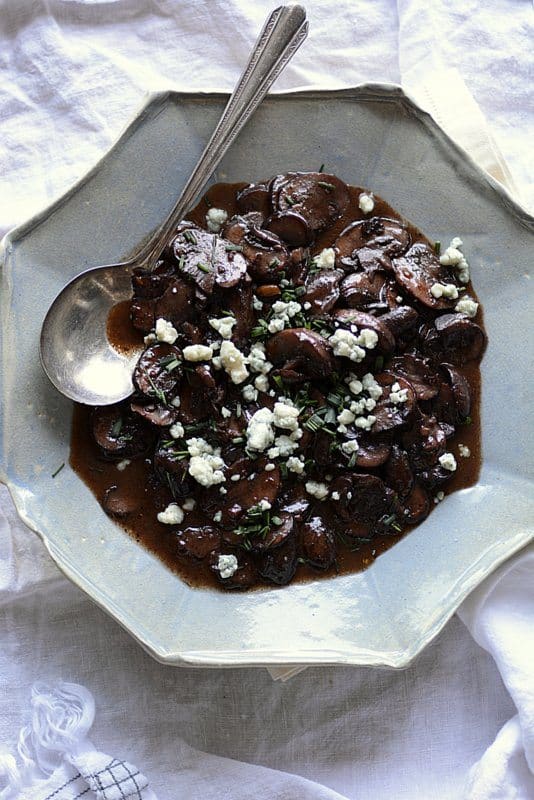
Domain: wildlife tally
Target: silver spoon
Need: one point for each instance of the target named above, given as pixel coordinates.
(75, 352)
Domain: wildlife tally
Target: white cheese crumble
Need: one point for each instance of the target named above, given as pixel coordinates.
(176, 401)
(215, 219)
(225, 412)
(282, 314)
(439, 497)
(257, 305)
(447, 290)
(464, 451)
(217, 516)
(262, 383)
(345, 417)
(257, 360)
(283, 446)
(326, 259)
(467, 306)
(165, 331)
(227, 566)
(264, 505)
(121, 466)
(335, 496)
(235, 478)
(259, 432)
(223, 490)
(173, 515)
(177, 430)
(149, 338)
(269, 467)
(250, 394)
(350, 345)
(295, 464)
(223, 326)
(398, 395)
(366, 202)
(350, 447)
(206, 464)
(316, 489)
(234, 362)
(198, 352)
(355, 385)
(365, 423)
(448, 462)
(189, 504)
(285, 415)
(372, 388)
(453, 257)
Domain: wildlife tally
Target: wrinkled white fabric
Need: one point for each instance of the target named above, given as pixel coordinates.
(450, 726)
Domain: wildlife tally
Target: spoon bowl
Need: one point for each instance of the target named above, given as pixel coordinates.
(75, 351)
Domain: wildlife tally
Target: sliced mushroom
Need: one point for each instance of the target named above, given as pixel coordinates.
(319, 198)
(171, 465)
(389, 236)
(420, 374)
(417, 272)
(156, 413)
(248, 492)
(142, 314)
(279, 565)
(196, 544)
(397, 471)
(277, 534)
(246, 574)
(350, 317)
(400, 320)
(302, 352)
(416, 507)
(176, 304)
(119, 503)
(255, 197)
(362, 497)
(460, 390)
(158, 371)
(317, 543)
(455, 338)
(425, 442)
(120, 434)
(204, 258)
(265, 252)
(291, 227)
(363, 290)
(322, 290)
(295, 501)
(390, 414)
(370, 454)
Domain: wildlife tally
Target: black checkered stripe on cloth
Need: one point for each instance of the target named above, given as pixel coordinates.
(118, 780)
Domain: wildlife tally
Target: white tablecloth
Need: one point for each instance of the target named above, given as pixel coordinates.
(74, 72)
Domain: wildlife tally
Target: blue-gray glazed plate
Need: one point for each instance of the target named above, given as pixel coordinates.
(374, 136)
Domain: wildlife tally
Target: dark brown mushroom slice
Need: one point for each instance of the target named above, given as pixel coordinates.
(370, 453)
(318, 197)
(276, 535)
(265, 252)
(424, 442)
(416, 506)
(156, 413)
(461, 391)
(240, 304)
(290, 227)
(419, 372)
(390, 236)
(118, 503)
(350, 317)
(363, 290)
(322, 291)
(279, 565)
(170, 468)
(371, 260)
(400, 320)
(158, 371)
(417, 272)
(204, 258)
(301, 351)
(295, 501)
(176, 304)
(149, 284)
(390, 415)
(434, 477)
(248, 492)
(196, 543)
(200, 393)
(119, 433)
(398, 472)
(317, 543)
(322, 448)
(143, 315)
(246, 574)
(362, 497)
(455, 338)
(255, 197)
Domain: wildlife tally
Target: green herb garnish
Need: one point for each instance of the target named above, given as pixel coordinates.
(203, 267)
(58, 470)
(190, 237)
(328, 186)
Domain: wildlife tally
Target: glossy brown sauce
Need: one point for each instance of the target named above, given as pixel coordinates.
(136, 481)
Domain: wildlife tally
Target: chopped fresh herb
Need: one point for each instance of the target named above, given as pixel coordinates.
(117, 427)
(237, 440)
(276, 521)
(321, 168)
(203, 267)
(437, 248)
(352, 460)
(301, 561)
(229, 247)
(290, 200)
(328, 186)
(58, 470)
(172, 365)
(379, 363)
(283, 470)
(207, 201)
(279, 381)
(190, 237)
(181, 262)
(274, 263)
(315, 422)
(468, 421)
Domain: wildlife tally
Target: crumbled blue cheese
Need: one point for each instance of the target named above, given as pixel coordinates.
(197, 352)
(215, 219)
(150, 338)
(264, 505)
(261, 383)
(350, 447)
(225, 412)
(257, 359)
(464, 451)
(282, 314)
(234, 362)
(205, 465)
(283, 447)
(348, 344)
(250, 394)
(365, 423)
(467, 306)
(176, 401)
(257, 304)
(345, 417)
(223, 326)
(227, 565)
(453, 257)
(172, 515)
(448, 462)
(270, 466)
(355, 385)
(217, 516)
(371, 386)
(177, 430)
(286, 415)
(326, 259)
(295, 464)
(398, 395)
(189, 504)
(165, 331)
(447, 290)
(260, 432)
(439, 497)
(317, 489)
(235, 478)
(366, 202)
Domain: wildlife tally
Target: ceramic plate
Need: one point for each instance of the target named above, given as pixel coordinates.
(372, 136)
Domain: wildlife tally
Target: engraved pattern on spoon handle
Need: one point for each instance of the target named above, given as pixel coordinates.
(281, 36)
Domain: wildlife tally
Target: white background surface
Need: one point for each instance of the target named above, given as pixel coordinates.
(73, 73)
